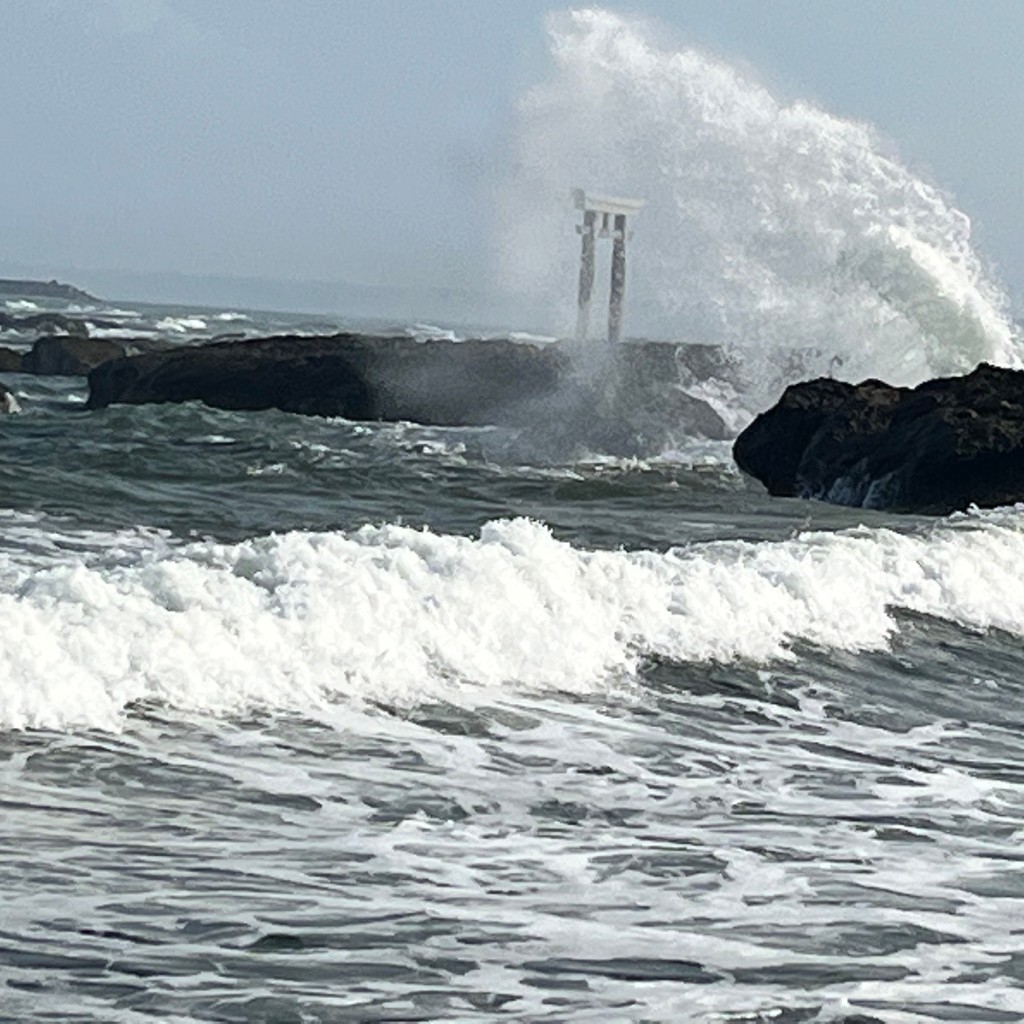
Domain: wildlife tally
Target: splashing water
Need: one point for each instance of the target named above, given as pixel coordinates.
(782, 232)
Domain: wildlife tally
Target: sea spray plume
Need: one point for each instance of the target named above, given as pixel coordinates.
(780, 231)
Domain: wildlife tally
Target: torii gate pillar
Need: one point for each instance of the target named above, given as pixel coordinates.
(612, 213)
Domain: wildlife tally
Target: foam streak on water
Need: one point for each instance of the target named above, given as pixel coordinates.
(785, 232)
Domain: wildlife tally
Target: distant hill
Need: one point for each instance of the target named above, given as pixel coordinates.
(24, 289)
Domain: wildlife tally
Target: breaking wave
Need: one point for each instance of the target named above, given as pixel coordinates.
(302, 620)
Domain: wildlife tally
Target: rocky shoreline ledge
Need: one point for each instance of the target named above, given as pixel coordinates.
(434, 382)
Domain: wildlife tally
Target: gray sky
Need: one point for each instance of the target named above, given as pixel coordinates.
(360, 140)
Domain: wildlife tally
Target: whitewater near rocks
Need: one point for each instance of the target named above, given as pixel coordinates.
(307, 719)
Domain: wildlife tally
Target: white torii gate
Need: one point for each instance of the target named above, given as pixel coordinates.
(613, 213)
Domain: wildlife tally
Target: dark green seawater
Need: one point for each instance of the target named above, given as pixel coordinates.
(308, 720)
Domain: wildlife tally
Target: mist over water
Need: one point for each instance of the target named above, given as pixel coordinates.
(789, 235)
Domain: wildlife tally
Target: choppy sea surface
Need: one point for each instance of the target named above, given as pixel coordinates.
(309, 720)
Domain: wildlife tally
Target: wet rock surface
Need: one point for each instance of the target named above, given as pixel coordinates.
(945, 445)
(69, 356)
(437, 382)
(10, 360)
(354, 376)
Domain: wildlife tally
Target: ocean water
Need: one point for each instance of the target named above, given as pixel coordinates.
(318, 721)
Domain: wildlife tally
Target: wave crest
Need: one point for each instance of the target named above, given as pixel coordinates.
(302, 620)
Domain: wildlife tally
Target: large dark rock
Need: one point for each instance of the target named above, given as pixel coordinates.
(358, 377)
(628, 398)
(942, 446)
(67, 356)
(10, 360)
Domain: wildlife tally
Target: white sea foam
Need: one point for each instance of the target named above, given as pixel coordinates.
(792, 236)
(181, 324)
(118, 333)
(526, 338)
(305, 619)
(22, 305)
(230, 317)
(428, 332)
(521, 337)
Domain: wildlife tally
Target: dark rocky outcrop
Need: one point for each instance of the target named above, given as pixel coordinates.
(468, 383)
(27, 289)
(652, 379)
(10, 360)
(67, 356)
(62, 355)
(945, 445)
(355, 376)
